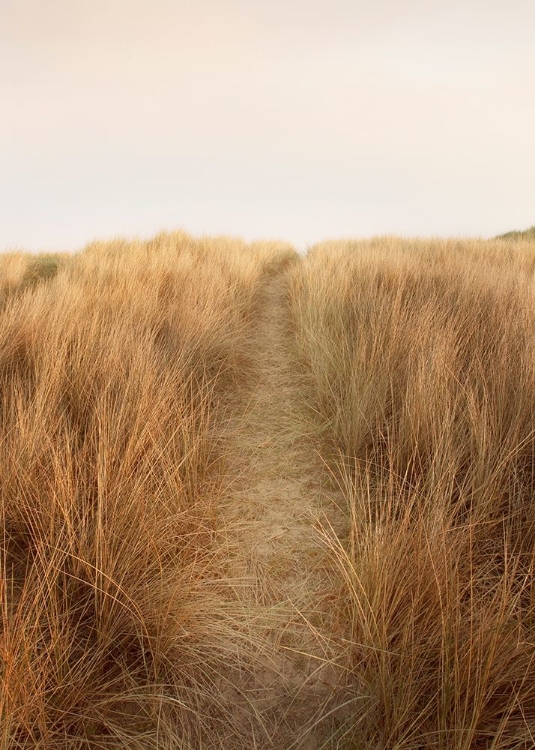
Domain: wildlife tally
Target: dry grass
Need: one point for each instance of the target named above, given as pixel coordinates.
(117, 622)
(120, 371)
(422, 355)
(18, 271)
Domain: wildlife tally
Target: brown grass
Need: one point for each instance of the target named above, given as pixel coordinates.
(129, 371)
(422, 355)
(118, 628)
(18, 271)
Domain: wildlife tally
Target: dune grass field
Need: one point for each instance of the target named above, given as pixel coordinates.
(255, 499)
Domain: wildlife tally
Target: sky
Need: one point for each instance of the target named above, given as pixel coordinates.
(300, 120)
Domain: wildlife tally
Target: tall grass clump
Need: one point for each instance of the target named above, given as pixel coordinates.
(525, 234)
(117, 626)
(422, 358)
(20, 270)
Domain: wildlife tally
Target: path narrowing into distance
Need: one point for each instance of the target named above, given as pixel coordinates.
(279, 493)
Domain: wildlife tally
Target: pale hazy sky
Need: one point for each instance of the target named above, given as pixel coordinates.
(293, 119)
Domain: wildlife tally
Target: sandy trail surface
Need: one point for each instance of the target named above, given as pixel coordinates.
(279, 494)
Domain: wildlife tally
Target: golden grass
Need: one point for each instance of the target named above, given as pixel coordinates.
(120, 371)
(118, 627)
(422, 355)
(18, 271)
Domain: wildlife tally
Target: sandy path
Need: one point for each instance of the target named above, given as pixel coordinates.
(279, 491)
